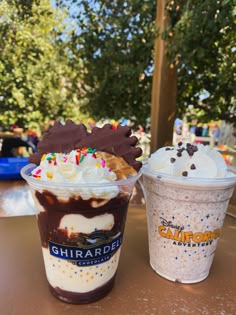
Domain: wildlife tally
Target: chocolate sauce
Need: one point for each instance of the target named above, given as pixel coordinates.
(55, 209)
(49, 221)
(83, 298)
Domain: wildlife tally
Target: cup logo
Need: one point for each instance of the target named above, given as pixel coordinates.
(181, 236)
(90, 251)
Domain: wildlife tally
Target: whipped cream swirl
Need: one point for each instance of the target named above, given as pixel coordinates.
(79, 167)
(189, 160)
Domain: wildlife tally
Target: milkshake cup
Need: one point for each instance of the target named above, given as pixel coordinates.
(185, 216)
(81, 228)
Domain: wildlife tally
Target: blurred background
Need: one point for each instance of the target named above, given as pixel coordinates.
(96, 62)
(164, 68)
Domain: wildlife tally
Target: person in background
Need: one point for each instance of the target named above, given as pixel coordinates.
(12, 145)
(205, 130)
(32, 138)
(216, 134)
(193, 127)
(140, 130)
(91, 123)
(178, 124)
(198, 131)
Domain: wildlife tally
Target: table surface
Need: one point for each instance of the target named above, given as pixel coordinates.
(138, 289)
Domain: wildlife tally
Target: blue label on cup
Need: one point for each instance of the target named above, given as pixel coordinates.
(86, 256)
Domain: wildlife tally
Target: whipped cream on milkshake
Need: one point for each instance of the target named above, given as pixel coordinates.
(188, 160)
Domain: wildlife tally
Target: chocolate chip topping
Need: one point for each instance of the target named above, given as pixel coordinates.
(68, 137)
(172, 160)
(185, 173)
(190, 148)
(193, 167)
(190, 153)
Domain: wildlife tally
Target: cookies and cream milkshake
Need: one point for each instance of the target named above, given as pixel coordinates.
(82, 195)
(187, 190)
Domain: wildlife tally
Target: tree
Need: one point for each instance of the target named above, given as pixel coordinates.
(201, 43)
(99, 60)
(115, 40)
(37, 80)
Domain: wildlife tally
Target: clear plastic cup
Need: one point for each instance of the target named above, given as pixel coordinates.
(185, 217)
(81, 228)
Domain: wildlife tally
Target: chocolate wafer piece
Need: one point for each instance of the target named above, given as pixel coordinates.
(68, 137)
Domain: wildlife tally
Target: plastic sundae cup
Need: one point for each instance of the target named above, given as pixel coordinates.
(81, 235)
(185, 218)
(81, 184)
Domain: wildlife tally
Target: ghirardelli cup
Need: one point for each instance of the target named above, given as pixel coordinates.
(81, 184)
(187, 190)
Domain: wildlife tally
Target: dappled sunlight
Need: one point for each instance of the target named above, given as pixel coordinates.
(194, 289)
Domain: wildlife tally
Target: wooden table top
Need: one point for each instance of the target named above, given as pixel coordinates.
(138, 289)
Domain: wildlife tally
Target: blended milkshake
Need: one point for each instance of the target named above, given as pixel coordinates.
(82, 196)
(187, 190)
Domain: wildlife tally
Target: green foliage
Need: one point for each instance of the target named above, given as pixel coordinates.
(115, 40)
(201, 42)
(37, 82)
(96, 57)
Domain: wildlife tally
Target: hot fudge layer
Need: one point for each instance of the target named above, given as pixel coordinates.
(81, 244)
(75, 298)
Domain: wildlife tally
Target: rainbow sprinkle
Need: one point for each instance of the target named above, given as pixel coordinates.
(75, 156)
(103, 163)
